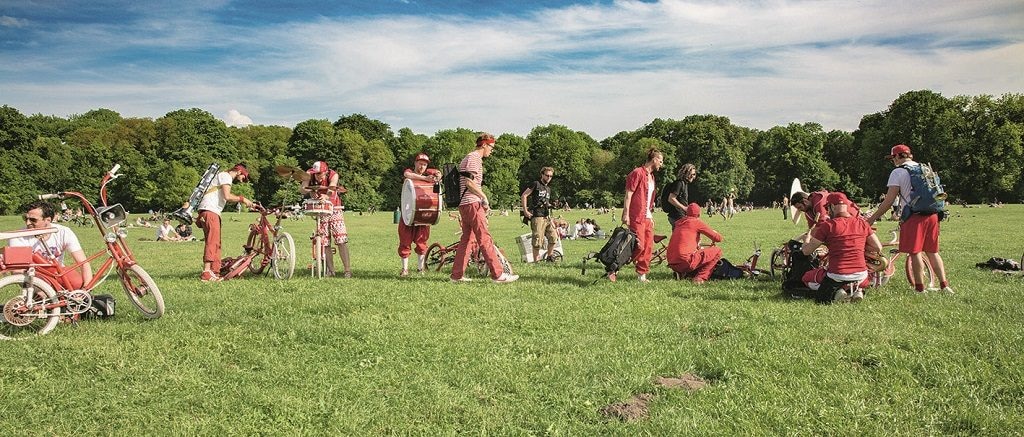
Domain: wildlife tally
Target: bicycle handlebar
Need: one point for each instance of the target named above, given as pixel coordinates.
(51, 196)
(113, 171)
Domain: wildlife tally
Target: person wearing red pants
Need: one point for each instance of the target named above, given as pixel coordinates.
(473, 209)
(416, 234)
(210, 207)
(685, 257)
(636, 211)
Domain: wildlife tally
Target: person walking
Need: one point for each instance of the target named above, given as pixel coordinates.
(636, 212)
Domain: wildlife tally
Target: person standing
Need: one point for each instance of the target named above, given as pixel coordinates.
(473, 210)
(636, 212)
(210, 207)
(40, 215)
(919, 233)
(785, 207)
(536, 203)
(323, 184)
(685, 256)
(677, 194)
(847, 238)
(419, 235)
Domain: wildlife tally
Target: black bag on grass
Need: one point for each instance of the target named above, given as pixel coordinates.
(617, 252)
(726, 270)
(798, 265)
(102, 307)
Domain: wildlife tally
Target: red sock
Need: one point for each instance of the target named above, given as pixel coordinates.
(943, 284)
(919, 287)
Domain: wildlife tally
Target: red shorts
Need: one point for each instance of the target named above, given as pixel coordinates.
(920, 233)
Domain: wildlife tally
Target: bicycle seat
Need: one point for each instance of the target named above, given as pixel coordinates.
(658, 238)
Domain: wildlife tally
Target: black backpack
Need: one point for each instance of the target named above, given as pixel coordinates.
(663, 199)
(102, 307)
(617, 252)
(450, 190)
(726, 270)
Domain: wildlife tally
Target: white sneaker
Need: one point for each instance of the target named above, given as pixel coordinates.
(840, 296)
(506, 278)
(857, 295)
(947, 290)
(461, 280)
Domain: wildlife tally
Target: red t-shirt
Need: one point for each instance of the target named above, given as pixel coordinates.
(686, 238)
(639, 182)
(845, 238)
(820, 209)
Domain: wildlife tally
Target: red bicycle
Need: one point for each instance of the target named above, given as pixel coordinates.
(38, 292)
(267, 246)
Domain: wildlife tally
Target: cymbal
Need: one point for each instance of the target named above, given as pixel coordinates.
(295, 173)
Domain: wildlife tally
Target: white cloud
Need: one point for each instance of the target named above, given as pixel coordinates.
(236, 119)
(759, 63)
(6, 21)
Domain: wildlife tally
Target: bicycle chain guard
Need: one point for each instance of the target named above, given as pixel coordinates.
(78, 301)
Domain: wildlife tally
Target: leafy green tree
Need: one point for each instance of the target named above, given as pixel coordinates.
(309, 140)
(793, 151)
(502, 169)
(404, 148)
(195, 138)
(569, 152)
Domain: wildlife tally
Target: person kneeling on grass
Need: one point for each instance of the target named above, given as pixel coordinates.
(685, 257)
(846, 237)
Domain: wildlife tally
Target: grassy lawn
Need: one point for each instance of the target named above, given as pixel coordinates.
(377, 354)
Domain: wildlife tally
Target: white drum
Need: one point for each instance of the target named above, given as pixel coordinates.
(420, 204)
(317, 207)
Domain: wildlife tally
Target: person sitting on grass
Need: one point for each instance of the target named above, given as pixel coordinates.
(685, 257)
(165, 232)
(847, 237)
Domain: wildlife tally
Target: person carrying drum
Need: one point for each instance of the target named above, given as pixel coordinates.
(210, 207)
(416, 234)
(323, 184)
(536, 202)
(473, 209)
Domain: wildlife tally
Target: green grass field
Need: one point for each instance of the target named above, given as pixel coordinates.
(377, 354)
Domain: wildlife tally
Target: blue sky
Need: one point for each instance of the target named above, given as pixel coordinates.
(596, 66)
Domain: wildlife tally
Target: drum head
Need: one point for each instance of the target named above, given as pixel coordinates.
(793, 212)
(408, 202)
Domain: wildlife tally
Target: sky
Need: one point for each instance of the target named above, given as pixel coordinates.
(596, 66)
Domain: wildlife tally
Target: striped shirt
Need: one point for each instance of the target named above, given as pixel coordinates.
(472, 163)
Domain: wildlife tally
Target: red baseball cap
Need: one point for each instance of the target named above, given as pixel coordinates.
(318, 167)
(242, 170)
(693, 210)
(421, 157)
(897, 149)
(837, 199)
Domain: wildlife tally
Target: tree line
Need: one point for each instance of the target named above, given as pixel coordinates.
(975, 142)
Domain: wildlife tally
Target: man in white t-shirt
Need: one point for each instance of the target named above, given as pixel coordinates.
(39, 215)
(166, 232)
(210, 207)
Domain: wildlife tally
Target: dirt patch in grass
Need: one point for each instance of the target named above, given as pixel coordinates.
(635, 408)
(686, 381)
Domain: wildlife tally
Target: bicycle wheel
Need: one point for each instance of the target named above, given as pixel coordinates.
(780, 263)
(143, 292)
(436, 257)
(18, 324)
(282, 260)
(929, 275)
(260, 260)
